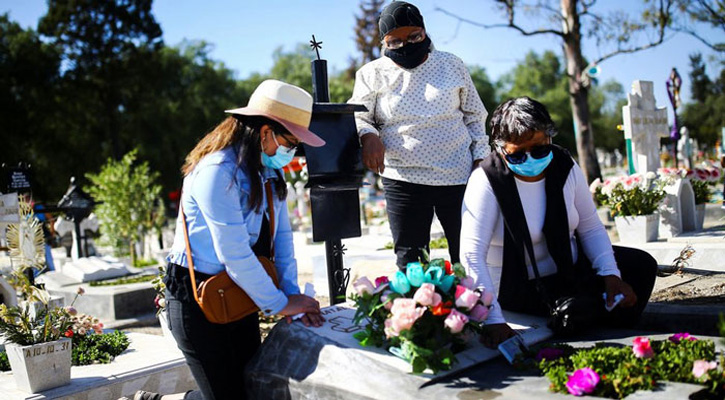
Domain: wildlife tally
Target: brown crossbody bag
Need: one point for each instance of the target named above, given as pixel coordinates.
(221, 300)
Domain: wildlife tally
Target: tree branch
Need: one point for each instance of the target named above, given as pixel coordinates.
(663, 21)
(510, 24)
(719, 47)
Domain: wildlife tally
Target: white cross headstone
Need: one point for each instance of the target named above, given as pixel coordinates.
(644, 124)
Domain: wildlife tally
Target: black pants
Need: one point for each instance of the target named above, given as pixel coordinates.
(216, 353)
(637, 267)
(410, 209)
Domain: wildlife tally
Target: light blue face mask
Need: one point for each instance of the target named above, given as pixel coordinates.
(282, 156)
(531, 166)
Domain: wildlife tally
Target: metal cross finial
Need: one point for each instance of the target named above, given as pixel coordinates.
(316, 45)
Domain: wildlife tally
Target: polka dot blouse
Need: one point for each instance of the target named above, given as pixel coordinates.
(430, 118)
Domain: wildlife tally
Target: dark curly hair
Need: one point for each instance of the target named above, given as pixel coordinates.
(518, 119)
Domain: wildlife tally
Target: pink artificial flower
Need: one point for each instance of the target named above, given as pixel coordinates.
(389, 331)
(466, 298)
(401, 304)
(642, 348)
(700, 367)
(71, 310)
(404, 316)
(384, 299)
(381, 280)
(479, 313)
(677, 337)
(582, 381)
(467, 282)
(363, 285)
(456, 321)
(426, 295)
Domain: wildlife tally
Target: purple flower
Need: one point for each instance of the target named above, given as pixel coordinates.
(677, 337)
(549, 353)
(582, 381)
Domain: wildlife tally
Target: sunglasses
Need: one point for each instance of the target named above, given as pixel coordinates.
(415, 37)
(290, 146)
(536, 152)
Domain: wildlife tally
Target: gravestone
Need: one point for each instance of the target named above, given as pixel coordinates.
(644, 125)
(328, 362)
(64, 226)
(8, 294)
(9, 214)
(17, 179)
(94, 268)
(677, 212)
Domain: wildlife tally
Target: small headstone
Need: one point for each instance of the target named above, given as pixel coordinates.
(644, 123)
(18, 179)
(677, 212)
(88, 269)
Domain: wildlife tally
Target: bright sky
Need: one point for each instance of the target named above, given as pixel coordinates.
(246, 32)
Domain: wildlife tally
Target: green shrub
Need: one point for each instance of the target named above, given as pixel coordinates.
(4, 363)
(103, 348)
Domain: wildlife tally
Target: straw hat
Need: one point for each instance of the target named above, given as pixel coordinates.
(287, 104)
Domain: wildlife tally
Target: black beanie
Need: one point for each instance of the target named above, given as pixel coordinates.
(398, 14)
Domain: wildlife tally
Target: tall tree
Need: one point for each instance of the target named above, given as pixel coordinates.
(705, 117)
(99, 39)
(367, 32)
(28, 108)
(566, 23)
(700, 84)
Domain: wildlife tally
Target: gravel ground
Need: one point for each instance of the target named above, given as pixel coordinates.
(694, 289)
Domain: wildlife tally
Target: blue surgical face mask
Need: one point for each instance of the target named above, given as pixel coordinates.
(531, 166)
(282, 156)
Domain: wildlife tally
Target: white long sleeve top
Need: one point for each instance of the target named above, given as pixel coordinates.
(482, 230)
(430, 118)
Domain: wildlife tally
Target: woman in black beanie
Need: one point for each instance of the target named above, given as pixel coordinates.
(423, 132)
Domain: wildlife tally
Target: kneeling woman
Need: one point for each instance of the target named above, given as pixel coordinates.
(530, 200)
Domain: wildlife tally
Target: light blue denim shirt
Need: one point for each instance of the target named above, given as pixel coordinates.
(223, 228)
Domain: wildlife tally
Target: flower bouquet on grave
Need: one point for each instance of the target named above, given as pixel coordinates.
(635, 194)
(424, 315)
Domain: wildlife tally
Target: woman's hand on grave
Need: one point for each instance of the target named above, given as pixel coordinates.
(300, 304)
(311, 319)
(373, 152)
(492, 335)
(613, 285)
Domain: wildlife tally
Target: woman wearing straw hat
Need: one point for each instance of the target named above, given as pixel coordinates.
(423, 132)
(224, 204)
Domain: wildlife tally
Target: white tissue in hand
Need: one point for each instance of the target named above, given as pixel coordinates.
(310, 292)
(617, 299)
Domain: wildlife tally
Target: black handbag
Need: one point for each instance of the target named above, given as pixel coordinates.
(569, 314)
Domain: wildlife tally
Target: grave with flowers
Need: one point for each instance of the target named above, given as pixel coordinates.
(413, 335)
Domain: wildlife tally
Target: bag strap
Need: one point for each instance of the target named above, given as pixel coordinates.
(270, 208)
(270, 211)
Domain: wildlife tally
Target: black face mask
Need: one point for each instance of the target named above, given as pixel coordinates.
(411, 55)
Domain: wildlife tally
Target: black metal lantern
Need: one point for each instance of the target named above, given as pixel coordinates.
(335, 175)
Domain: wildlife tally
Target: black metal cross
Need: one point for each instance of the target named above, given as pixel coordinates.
(316, 45)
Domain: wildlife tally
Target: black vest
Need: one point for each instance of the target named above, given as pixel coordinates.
(514, 285)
